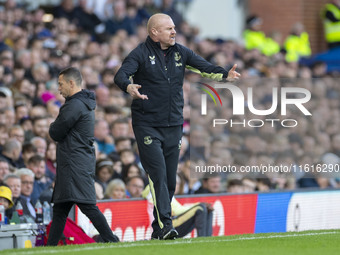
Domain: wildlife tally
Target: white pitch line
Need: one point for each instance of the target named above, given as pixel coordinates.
(162, 243)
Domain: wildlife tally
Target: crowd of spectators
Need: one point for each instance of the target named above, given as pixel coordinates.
(34, 47)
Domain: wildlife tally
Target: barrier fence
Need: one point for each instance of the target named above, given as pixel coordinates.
(233, 214)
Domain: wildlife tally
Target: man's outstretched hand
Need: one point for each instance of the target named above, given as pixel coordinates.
(132, 89)
(232, 74)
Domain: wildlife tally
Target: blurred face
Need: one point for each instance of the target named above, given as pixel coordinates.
(165, 32)
(3, 136)
(101, 130)
(122, 145)
(118, 193)
(51, 152)
(38, 169)
(214, 184)
(135, 187)
(127, 157)
(104, 174)
(3, 102)
(133, 171)
(18, 134)
(41, 147)
(4, 202)
(15, 185)
(40, 128)
(120, 130)
(26, 185)
(4, 170)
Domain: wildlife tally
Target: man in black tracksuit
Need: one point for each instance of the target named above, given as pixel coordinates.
(157, 67)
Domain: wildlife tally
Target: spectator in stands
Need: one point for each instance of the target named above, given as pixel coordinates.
(51, 160)
(134, 187)
(120, 128)
(131, 170)
(112, 113)
(103, 96)
(120, 20)
(27, 181)
(40, 144)
(104, 172)
(189, 182)
(137, 13)
(11, 151)
(235, 186)
(249, 184)
(331, 18)
(21, 111)
(14, 183)
(99, 191)
(28, 150)
(17, 132)
(3, 100)
(80, 15)
(6, 199)
(40, 126)
(102, 137)
(4, 169)
(127, 157)
(115, 190)
(3, 135)
(38, 166)
(211, 183)
(168, 8)
(263, 184)
(297, 43)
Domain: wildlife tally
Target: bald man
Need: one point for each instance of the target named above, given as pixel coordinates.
(157, 67)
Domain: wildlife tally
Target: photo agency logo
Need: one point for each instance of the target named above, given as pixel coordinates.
(289, 97)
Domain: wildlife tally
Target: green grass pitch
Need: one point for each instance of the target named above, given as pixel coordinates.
(322, 242)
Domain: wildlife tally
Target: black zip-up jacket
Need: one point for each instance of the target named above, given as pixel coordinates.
(161, 74)
(73, 129)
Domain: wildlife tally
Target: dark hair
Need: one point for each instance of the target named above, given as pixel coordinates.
(35, 159)
(28, 147)
(37, 118)
(234, 182)
(72, 73)
(134, 177)
(105, 162)
(125, 170)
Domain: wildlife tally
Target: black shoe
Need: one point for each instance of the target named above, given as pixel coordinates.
(116, 239)
(156, 235)
(169, 232)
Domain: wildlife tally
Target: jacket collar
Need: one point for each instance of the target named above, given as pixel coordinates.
(156, 44)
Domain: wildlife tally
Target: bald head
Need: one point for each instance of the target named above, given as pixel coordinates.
(161, 29)
(155, 21)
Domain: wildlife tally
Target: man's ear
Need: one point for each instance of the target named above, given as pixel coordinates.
(154, 31)
(72, 84)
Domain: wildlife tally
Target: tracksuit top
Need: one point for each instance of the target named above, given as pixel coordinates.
(161, 74)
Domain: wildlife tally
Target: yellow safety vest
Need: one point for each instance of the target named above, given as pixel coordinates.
(270, 47)
(332, 29)
(258, 40)
(254, 39)
(297, 46)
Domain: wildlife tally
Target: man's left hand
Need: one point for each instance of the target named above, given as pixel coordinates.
(232, 74)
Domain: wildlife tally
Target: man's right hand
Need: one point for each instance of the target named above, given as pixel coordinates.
(132, 89)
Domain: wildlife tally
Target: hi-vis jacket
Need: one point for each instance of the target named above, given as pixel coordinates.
(161, 74)
(331, 19)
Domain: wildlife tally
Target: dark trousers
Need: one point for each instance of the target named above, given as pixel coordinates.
(60, 213)
(159, 151)
(198, 217)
